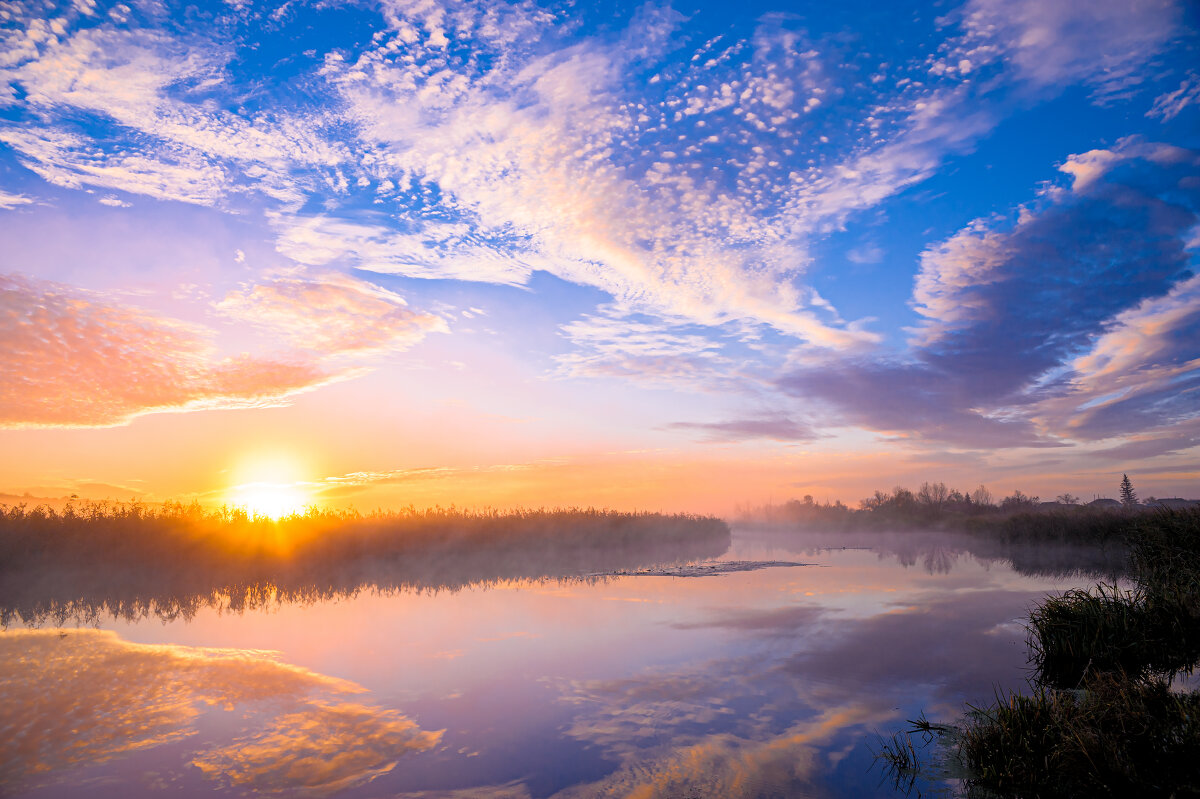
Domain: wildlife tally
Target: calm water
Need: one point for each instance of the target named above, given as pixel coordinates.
(765, 683)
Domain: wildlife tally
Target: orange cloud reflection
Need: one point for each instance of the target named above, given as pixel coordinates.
(86, 697)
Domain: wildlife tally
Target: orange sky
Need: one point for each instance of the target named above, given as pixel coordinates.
(502, 255)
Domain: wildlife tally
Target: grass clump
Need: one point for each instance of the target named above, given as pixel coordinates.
(1152, 630)
(1107, 630)
(1116, 738)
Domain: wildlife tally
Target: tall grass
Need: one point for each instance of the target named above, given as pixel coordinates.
(131, 560)
(1151, 630)
(1116, 739)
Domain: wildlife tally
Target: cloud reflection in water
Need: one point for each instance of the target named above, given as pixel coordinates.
(87, 697)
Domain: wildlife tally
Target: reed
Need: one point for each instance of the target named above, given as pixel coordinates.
(1149, 631)
(129, 560)
(1117, 738)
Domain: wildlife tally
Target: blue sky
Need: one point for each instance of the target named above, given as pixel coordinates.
(856, 241)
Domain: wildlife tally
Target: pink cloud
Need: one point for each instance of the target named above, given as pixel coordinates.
(332, 316)
(74, 360)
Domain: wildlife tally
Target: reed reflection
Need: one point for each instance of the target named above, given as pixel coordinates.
(127, 563)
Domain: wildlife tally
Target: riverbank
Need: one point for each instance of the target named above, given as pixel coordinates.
(1102, 717)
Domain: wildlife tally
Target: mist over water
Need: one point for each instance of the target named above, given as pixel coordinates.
(536, 674)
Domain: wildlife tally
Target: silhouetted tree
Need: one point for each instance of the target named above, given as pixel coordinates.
(1018, 501)
(1068, 499)
(933, 494)
(981, 496)
(1128, 495)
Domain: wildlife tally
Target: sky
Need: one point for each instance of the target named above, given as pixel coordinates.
(679, 256)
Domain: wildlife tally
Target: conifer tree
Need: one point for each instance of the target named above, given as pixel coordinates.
(1128, 495)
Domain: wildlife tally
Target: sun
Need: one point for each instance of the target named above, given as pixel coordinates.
(271, 485)
(271, 500)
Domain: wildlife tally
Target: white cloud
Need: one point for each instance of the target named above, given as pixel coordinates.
(72, 162)
(9, 201)
(1103, 43)
(526, 155)
(188, 151)
(1143, 365)
(439, 250)
(1169, 105)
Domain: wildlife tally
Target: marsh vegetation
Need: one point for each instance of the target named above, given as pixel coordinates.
(130, 561)
(1103, 716)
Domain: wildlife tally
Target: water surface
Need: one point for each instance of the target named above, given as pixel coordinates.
(766, 682)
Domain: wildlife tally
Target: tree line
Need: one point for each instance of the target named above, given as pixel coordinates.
(932, 502)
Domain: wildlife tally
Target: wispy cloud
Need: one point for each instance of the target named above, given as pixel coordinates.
(1170, 104)
(611, 344)
(1143, 373)
(163, 89)
(9, 201)
(773, 428)
(1103, 44)
(326, 316)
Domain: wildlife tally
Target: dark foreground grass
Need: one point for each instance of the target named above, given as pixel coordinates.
(131, 561)
(1149, 631)
(1102, 719)
(1116, 738)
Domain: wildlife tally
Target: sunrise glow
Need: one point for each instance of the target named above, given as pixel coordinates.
(271, 485)
(544, 399)
(654, 256)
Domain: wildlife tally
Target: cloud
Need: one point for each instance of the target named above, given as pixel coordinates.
(611, 344)
(1177, 438)
(184, 147)
(86, 696)
(332, 316)
(1142, 373)
(9, 201)
(73, 162)
(493, 141)
(321, 750)
(74, 360)
(908, 400)
(866, 254)
(1104, 44)
(1169, 105)
(775, 428)
(1008, 312)
(544, 154)
(460, 253)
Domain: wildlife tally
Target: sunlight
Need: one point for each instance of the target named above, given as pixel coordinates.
(271, 485)
(273, 500)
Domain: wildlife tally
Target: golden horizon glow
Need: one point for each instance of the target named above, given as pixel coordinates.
(273, 485)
